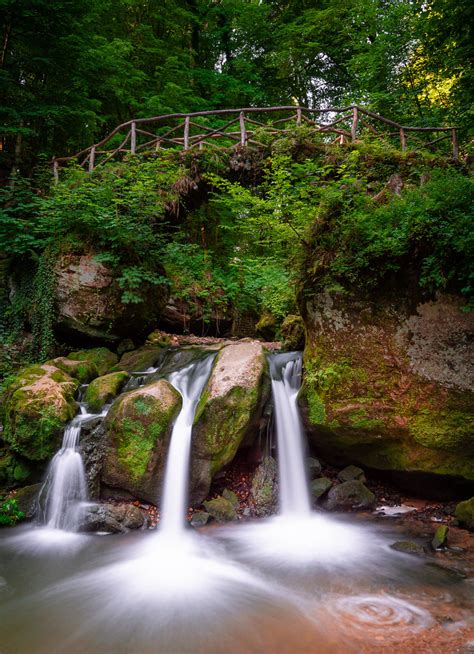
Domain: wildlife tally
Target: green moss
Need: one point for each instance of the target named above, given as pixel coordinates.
(465, 513)
(447, 430)
(101, 357)
(104, 389)
(316, 408)
(359, 419)
(140, 360)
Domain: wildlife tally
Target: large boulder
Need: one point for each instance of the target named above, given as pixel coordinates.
(138, 429)
(465, 513)
(104, 389)
(388, 385)
(228, 410)
(100, 357)
(36, 406)
(89, 300)
(113, 518)
(350, 495)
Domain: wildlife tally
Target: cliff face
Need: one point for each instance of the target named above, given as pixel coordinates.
(388, 382)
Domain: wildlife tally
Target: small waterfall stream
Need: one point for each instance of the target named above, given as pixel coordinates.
(285, 371)
(189, 382)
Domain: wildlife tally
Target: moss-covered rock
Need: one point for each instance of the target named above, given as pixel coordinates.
(36, 406)
(138, 428)
(292, 332)
(264, 489)
(266, 326)
(104, 389)
(388, 387)
(465, 513)
(141, 359)
(84, 371)
(320, 487)
(350, 495)
(101, 357)
(228, 410)
(220, 509)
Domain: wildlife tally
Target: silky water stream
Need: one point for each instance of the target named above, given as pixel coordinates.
(301, 582)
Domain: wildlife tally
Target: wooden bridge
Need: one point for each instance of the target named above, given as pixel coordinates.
(251, 127)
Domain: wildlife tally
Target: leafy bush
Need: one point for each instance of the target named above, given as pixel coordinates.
(9, 512)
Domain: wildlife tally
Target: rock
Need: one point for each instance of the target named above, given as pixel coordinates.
(231, 497)
(140, 360)
(89, 300)
(350, 495)
(407, 547)
(138, 428)
(199, 519)
(14, 469)
(440, 538)
(36, 406)
(350, 473)
(125, 345)
(464, 512)
(101, 357)
(83, 371)
(266, 326)
(292, 332)
(314, 467)
(114, 518)
(264, 490)
(26, 499)
(388, 386)
(104, 389)
(220, 509)
(158, 339)
(229, 409)
(320, 487)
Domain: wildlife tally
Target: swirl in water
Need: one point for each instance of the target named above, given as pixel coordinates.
(372, 612)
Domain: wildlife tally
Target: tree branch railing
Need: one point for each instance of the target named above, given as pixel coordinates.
(244, 130)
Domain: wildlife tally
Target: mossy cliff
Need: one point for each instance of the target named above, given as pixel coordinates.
(228, 410)
(138, 429)
(387, 381)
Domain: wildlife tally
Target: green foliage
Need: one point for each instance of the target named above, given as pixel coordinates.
(9, 512)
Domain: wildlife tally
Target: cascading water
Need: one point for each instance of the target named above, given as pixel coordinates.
(65, 488)
(189, 382)
(285, 371)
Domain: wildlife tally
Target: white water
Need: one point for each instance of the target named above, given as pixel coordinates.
(189, 382)
(285, 371)
(65, 488)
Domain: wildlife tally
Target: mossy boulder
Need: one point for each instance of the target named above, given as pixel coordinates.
(104, 389)
(84, 371)
(36, 406)
(350, 495)
(220, 509)
(320, 487)
(292, 332)
(138, 429)
(266, 326)
(228, 410)
(101, 357)
(388, 386)
(264, 489)
(26, 498)
(141, 359)
(465, 513)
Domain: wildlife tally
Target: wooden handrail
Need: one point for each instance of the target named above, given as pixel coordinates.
(352, 114)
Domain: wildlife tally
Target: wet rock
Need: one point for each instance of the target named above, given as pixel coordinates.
(350, 495)
(464, 512)
(140, 360)
(104, 389)
(125, 345)
(229, 410)
(292, 332)
(138, 428)
(26, 499)
(231, 497)
(100, 357)
(114, 518)
(89, 300)
(314, 467)
(36, 406)
(220, 509)
(320, 487)
(440, 538)
(83, 371)
(350, 473)
(199, 519)
(407, 547)
(264, 490)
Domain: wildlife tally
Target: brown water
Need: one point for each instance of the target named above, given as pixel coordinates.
(325, 585)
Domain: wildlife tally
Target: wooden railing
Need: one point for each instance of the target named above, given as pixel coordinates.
(206, 128)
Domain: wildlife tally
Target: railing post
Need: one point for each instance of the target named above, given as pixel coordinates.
(454, 136)
(403, 139)
(92, 159)
(355, 120)
(133, 138)
(55, 171)
(298, 116)
(243, 131)
(341, 139)
(186, 133)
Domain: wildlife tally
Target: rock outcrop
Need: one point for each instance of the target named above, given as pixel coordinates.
(228, 410)
(104, 389)
(138, 428)
(388, 385)
(89, 301)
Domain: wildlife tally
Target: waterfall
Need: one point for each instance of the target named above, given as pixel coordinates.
(65, 489)
(285, 371)
(189, 382)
